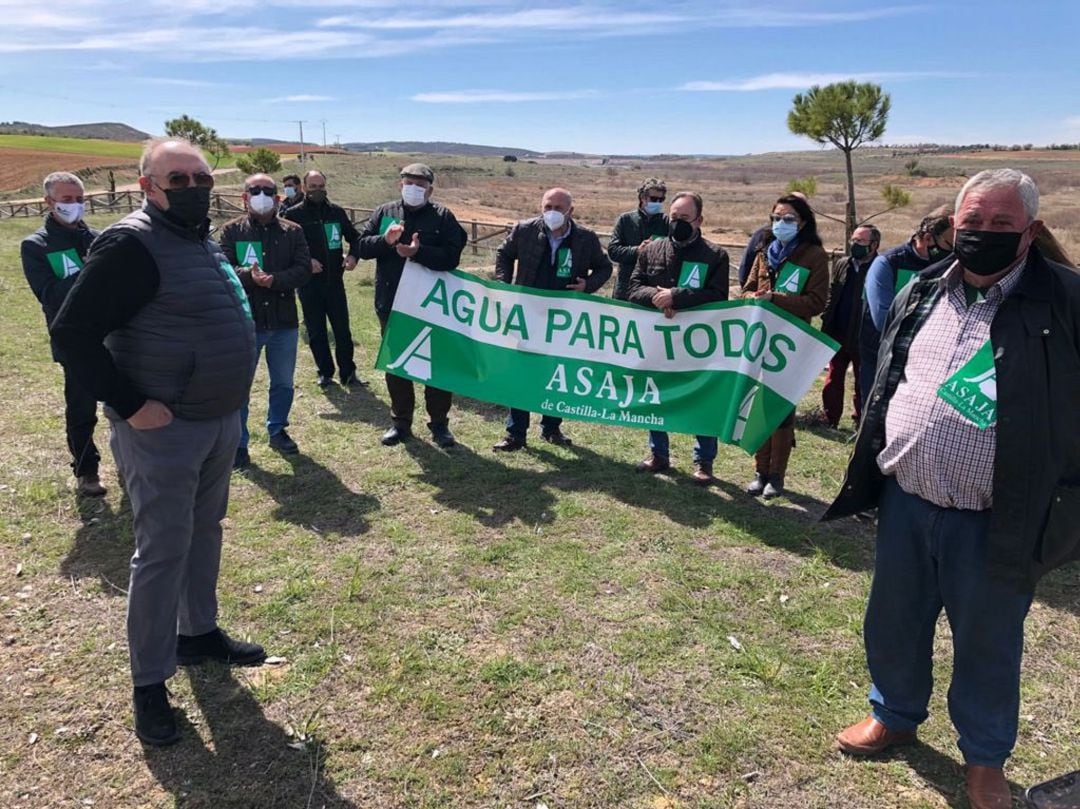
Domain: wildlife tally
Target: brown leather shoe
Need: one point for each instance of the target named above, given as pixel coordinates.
(654, 464)
(509, 444)
(869, 737)
(89, 486)
(703, 475)
(987, 788)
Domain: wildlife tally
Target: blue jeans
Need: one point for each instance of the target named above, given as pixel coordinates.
(280, 347)
(517, 423)
(929, 558)
(704, 446)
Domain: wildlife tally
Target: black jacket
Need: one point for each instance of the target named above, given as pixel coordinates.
(528, 245)
(631, 229)
(50, 276)
(845, 287)
(660, 264)
(284, 255)
(318, 221)
(441, 241)
(1035, 521)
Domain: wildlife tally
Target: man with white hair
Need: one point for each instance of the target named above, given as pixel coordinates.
(52, 257)
(969, 450)
(550, 251)
(159, 328)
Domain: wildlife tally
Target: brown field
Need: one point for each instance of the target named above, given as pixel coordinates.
(22, 168)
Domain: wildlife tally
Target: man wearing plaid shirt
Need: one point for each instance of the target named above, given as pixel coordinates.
(974, 465)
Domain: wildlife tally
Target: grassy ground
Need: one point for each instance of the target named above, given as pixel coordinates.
(89, 146)
(461, 629)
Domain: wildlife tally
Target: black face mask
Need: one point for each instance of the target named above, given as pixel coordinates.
(986, 252)
(859, 251)
(188, 206)
(680, 231)
(318, 197)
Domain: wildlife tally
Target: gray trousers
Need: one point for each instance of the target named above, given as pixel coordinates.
(178, 480)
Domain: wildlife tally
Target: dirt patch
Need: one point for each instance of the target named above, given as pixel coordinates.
(23, 167)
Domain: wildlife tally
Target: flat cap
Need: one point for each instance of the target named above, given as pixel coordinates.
(418, 170)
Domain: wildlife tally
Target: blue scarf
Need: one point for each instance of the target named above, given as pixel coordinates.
(777, 252)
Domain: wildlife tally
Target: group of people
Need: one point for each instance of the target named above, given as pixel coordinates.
(962, 447)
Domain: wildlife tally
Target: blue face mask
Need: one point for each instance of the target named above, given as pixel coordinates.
(653, 208)
(784, 231)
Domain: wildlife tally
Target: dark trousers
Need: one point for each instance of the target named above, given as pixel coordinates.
(403, 398)
(928, 559)
(323, 300)
(622, 282)
(864, 377)
(517, 423)
(832, 395)
(80, 418)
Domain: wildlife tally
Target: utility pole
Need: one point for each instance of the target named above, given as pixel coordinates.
(302, 157)
(337, 141)
(323, 122)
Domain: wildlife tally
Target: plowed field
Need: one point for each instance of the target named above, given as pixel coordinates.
(22, 167)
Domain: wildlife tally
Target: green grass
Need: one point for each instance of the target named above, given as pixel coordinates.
(465, 629)
(88, 146)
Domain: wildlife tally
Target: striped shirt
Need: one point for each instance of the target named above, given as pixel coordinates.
(933, 451)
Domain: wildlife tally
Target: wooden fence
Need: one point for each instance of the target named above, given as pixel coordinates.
(226, 206)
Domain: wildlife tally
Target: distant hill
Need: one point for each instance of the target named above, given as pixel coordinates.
(104, 131)
(440, 147)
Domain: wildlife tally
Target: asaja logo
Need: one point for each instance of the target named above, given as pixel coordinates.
(64, 263)
(333, 235)
(249, 253)
(791, 279)
(415, 360)
(564, 262)
(972, 390)
(692, 275)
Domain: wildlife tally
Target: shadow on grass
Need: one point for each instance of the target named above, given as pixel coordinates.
(103, 544)
(250, 763)
(312, 495)
(943, 774)
(482, 487)
(355, 404)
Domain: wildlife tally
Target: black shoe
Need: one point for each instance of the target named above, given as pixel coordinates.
(353, 379)
(242, 460)
(556, 437)
(155, 722)
(89, 486)
(324, 381)
(395, 435)
(442, 436)
(509, 444)
(283, 443)
(191, 650)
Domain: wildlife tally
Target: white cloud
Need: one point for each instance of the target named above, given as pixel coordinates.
(802, 81)
(500, 96)
(526, 19)
(296, 99)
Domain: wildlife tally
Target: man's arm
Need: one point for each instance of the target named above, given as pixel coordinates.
(880, 291)
(506, 255)
(350, 234)
(372, 243)
(599, 265)
(298, 272)
(120, 277)
(446, 256)
(623, 247)
(639, 291)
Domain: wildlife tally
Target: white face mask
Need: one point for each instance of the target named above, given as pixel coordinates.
(69, 212)
(413, 195)
(554, 219)
(290, 192)
(261, 204)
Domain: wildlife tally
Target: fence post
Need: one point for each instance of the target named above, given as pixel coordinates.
(475, 235)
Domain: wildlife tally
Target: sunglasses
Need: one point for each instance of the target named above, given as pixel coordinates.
(255, 190)
(787, 218)
(178, 179)
(655, 199)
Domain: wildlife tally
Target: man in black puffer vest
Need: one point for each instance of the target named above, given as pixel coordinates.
(159, 328)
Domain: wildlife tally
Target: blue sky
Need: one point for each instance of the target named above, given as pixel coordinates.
(686, 76)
